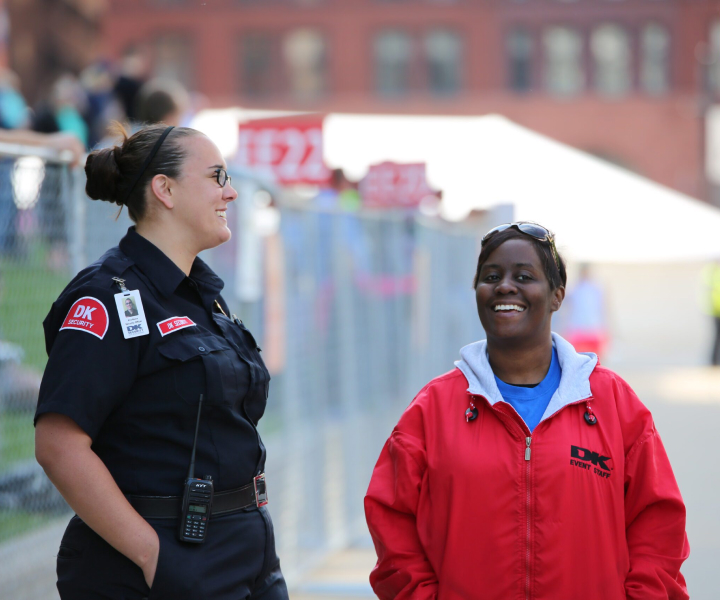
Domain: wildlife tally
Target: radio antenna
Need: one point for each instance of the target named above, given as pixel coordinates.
(191, 470)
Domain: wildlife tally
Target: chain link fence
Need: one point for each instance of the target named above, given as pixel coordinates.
(35, 201)
(356, 313)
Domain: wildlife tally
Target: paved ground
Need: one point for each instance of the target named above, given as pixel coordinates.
(686, 406)
(343, 576)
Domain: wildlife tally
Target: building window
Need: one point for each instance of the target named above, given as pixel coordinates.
(563, 51)
(393, 58)
(305, 63)
(655, 57)
(519, 47)
(173, 58)
(257, 72)
(443, 60)
(612, 60)
(714, 57)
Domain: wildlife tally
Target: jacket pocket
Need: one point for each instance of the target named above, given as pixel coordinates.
(203, 364)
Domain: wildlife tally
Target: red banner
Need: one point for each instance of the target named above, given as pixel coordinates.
(392, 185)
(289, 150)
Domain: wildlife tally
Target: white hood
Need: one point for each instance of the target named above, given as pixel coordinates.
(574, 382)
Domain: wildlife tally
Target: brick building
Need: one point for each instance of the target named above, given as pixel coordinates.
(47, 38)
(629, 80)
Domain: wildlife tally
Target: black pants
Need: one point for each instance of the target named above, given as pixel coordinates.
(237, 561)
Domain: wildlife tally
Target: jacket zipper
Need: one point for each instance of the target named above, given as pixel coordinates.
(528, 441)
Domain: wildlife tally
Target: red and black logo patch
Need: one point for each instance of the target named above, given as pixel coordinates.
(87, 314)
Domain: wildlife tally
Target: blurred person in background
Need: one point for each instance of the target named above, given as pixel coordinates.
(712, 280)
(554, 485)
(14, 122)
(64, 110)
(340, 193)
(14, 115)
(134, 68)
(162, 101)
(14, 112)
(585, 314)
(158, 101)
(16, 119)
(103, 106)
(121, 400)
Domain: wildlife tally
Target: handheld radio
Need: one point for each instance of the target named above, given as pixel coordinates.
(197, 499)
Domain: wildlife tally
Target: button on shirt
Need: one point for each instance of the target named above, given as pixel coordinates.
(138, 398)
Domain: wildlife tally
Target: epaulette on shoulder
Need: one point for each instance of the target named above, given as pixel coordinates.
(100, 273)
(113, 263)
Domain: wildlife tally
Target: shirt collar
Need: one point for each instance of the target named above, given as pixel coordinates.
(163, 272)
(546, 387)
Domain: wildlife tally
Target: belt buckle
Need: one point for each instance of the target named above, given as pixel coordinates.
(261, 497)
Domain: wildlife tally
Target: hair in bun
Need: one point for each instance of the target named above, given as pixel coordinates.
(103, 175)
(111, 171)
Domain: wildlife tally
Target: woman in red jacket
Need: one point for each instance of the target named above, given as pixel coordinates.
(529, 471)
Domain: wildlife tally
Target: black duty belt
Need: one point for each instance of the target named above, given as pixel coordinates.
(224, 503)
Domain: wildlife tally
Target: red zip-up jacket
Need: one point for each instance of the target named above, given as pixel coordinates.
(484, 509)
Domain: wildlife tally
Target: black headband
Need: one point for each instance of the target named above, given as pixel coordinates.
(147, 162)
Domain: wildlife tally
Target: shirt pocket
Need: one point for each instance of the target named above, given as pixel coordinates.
(248, 337)
(204, 364)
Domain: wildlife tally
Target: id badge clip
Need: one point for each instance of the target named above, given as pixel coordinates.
(261, 497)
(130, 311)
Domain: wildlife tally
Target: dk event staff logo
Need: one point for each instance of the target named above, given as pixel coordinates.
(591, 461)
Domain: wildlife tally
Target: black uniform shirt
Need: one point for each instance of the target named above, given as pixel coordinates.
(138, 398)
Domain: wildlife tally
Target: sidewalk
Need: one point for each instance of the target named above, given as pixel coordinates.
(342, 576)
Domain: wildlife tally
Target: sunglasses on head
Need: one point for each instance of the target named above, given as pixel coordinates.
(534, 230)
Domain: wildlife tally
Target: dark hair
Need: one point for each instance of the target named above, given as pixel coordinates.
(158, 99)
(556, 275)
(111, 171)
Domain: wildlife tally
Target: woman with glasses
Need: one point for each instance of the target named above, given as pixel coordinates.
(148, 372)
(529, 471)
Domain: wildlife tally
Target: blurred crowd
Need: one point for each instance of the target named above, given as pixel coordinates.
(77, 109)
(72, 118)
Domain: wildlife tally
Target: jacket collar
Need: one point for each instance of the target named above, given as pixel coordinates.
(574, 383)
(165, 275)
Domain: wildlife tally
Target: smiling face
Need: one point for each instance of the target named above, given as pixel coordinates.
(514, 298)
(199, 203)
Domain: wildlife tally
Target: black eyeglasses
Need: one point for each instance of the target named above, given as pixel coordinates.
(222, 177)
(532, 229)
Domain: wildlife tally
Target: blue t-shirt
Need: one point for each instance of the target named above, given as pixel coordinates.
(531, 402)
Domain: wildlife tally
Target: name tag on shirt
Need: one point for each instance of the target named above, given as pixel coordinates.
(131, 313)
(174, 324)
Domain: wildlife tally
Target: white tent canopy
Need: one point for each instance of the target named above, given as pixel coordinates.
(599, 212)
